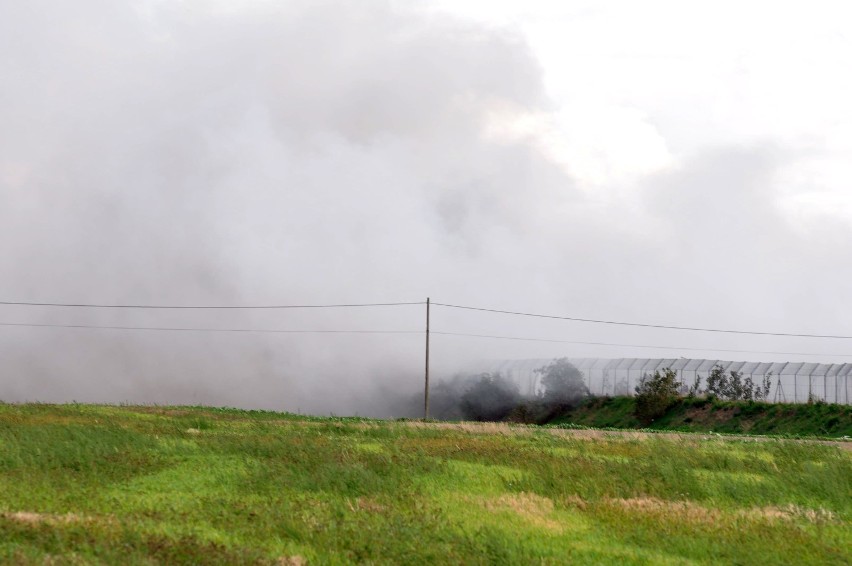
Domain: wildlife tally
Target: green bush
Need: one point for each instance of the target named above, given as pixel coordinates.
(655, 394)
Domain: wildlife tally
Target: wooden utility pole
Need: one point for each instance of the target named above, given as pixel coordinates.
(426, 391)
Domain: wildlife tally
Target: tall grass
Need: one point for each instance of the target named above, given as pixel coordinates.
(194, 485)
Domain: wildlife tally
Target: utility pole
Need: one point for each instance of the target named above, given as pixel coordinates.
(426, 391)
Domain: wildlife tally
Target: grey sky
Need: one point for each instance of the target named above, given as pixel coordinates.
(550, 160)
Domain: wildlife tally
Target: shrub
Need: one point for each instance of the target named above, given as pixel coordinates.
(734, 387)
(562, 384)
(491, 398)
(655, 394)
(694, 389)
(525, 413)
(761, 390)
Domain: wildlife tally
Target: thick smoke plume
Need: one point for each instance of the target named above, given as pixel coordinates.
(189, 153)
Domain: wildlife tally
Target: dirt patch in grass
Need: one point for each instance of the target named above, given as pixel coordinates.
(711, 415)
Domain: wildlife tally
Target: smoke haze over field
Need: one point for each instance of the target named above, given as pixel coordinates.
(250, 153)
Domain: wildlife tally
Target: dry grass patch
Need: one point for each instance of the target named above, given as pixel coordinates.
(52, 419)
(367, 504)
(164, 412)
(686, 511)
(516, 429)
(533, 508)
(691, 512)
(810, 515)
(32, 518)
(499, 428)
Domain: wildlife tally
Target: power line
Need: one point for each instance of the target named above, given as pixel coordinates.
(207, 307)
(460, 334)
(643, 325)
(522, 339)
(356, 331)
(190, 329)
(410, 303)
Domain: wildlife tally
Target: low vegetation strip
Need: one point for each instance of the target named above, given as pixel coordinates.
(713, 415)
(142, 485)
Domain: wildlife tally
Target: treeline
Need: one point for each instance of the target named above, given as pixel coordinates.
(656, 393)
(562, 388)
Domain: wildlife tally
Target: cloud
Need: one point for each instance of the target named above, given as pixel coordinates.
(265, 153)
(306, 153)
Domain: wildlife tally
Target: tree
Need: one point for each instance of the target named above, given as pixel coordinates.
(562, 383)
(733, 386)
(655, 394)
(491, 398)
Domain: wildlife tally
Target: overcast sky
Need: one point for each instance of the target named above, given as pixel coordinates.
(670, 163)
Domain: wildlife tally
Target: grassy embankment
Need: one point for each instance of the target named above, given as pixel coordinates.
(705, 415)
(190, 485)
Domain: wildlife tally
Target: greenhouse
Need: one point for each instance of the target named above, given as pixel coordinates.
(790, 382)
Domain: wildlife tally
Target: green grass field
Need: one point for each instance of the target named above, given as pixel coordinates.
(146, 485)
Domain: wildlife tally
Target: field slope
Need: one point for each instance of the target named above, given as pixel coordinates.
(735, 417)
(83, 484)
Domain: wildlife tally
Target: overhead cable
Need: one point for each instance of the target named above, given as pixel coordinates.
(410, 303)
(207, 307)
(523, 339)
(644, 325)
(356, 331)
(189, 329)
